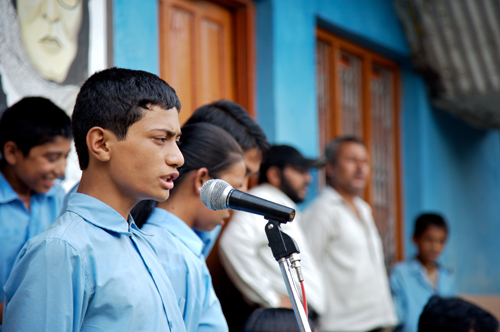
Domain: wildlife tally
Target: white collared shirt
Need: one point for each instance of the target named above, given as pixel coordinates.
(352, 264)
(250, 263)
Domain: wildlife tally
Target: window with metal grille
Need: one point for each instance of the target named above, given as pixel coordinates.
(358, 93)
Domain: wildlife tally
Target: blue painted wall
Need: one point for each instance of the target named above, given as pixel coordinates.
(448, 166)
(135, 35)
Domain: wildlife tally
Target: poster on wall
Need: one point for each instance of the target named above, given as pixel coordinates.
(48, 48)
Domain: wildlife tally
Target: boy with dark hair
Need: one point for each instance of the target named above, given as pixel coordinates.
(35, 139)
(413, 282)
(455, 315)
(93, 269)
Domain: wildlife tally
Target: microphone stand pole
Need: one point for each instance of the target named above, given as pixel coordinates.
(286, 250)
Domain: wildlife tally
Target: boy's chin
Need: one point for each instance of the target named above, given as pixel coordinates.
(159, 197)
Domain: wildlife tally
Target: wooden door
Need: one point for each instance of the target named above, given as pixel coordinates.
(197, 46)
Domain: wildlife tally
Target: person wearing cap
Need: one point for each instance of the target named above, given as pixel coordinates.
(343, 237)
(244, 250)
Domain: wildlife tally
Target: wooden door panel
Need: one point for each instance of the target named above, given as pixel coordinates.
(180, 61)
(198, 57)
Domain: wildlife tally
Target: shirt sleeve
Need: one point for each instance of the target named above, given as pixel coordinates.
(239, 246)
(212, 317)
(317, 225)
(398, 294)
(46, 290)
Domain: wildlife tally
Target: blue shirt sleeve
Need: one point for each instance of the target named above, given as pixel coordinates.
(212, 318)
(46, 290)
(396, 281)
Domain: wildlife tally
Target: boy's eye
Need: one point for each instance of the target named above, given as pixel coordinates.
(52, 157)
(160, 139)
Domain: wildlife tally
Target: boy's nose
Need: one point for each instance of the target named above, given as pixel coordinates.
(60, 168)
(175, 158)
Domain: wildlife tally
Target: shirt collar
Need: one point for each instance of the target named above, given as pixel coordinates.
(177, 228)
(7, 193)
(336, 197)
(99, 213)
(417, 267)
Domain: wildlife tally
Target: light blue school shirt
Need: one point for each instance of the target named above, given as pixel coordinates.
(208, 239)
(180, 252)
(411, 289)
(90, 271)
(18, 225)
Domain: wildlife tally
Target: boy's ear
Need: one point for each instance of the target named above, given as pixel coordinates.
(200, 178)
(97, 143)
(11, 153)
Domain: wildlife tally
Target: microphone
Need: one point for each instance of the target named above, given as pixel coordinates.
(217, 194)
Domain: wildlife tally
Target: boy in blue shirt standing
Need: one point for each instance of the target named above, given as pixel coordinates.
(35, 139)
(93, 269)
(415, 281)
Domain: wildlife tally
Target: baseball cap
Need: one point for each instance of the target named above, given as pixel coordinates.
(282, 155)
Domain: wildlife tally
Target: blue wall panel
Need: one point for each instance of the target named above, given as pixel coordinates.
(135, 40)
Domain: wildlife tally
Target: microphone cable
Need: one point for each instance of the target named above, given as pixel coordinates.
(295, 260)
(304, 296)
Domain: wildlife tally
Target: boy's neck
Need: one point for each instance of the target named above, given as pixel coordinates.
(22, 190)
(429, 265)
(97, 185)
(179, 206)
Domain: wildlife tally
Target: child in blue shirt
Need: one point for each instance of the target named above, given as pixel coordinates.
(209, 152)
(415, 281)
(93, 269)
(35, 139)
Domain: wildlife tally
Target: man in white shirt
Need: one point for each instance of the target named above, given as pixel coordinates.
(343, 237)
(244, 250)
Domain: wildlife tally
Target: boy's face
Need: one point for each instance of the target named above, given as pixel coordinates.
(43, 165)
(144, 165)
(430, 243)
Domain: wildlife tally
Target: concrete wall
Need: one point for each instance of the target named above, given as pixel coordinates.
(448, 166)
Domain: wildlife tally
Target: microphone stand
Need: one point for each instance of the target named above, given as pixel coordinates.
(285, 251)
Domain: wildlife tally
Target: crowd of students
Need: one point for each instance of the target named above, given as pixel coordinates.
(126, 249)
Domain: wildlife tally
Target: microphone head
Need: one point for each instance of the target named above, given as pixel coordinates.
(214, 194)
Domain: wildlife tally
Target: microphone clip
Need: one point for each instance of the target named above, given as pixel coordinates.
(281, 244)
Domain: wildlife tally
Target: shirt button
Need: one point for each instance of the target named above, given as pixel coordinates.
(170, 324)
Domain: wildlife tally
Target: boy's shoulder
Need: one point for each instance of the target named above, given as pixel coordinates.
(406, 267)
(68, 229)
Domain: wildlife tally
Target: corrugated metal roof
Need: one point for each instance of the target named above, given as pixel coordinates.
(455, 44)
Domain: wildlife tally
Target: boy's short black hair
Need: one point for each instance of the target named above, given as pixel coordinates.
(114, 99)
(235, 120)
(30, 122)
(429, 219)
(455, 315)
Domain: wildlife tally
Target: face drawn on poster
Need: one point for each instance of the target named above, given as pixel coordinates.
(44, 49)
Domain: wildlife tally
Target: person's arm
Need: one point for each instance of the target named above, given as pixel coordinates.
(398, 295)
(46, 290)
(239, 251)
(318, 226)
